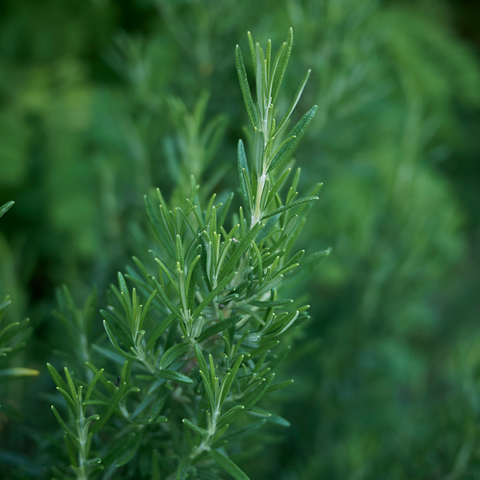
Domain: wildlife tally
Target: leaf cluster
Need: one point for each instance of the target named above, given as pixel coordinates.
(198, 335)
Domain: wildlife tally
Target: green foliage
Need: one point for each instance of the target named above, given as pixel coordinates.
(103, 101)
(214, 293)
(11, 344)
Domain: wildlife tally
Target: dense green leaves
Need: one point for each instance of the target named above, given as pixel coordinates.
(89, 125)
(193, 341)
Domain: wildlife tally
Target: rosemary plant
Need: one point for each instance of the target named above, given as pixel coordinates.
(197, 340)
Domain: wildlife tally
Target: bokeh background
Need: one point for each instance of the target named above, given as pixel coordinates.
(102, 100)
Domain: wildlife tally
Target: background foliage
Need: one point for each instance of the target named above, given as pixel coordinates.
(102, 101)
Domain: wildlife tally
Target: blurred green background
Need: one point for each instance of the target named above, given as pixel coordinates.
(95, 110)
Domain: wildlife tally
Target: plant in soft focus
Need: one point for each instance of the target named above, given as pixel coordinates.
(11, 343)
(197, 337)
(88, 127)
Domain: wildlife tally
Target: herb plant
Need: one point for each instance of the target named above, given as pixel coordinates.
(198, 339)
(88, 128)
